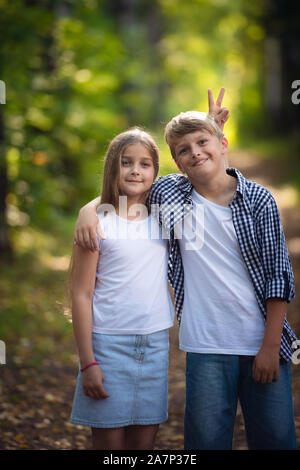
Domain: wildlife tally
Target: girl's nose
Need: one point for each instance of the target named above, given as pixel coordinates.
(135, 170)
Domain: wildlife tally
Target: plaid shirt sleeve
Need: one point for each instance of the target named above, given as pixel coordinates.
(155, 196)
(274, 252)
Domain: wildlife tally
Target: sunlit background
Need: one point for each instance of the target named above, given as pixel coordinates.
(79, 72)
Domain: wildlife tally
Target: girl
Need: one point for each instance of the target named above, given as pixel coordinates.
(121, 307)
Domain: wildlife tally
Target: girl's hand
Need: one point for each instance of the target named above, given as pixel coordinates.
(266, 366)
(86, 229)
(92, 383)
(215, 108)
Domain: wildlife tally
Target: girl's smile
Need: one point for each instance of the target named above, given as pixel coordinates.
(133, 181)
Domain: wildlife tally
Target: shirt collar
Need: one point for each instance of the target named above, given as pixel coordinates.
(241, 185)
(186, 186)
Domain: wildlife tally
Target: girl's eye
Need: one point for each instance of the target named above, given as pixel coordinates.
(146, 164)
(182, 151)
(125, 163)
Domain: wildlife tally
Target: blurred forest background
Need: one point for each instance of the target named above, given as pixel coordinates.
(77, 73)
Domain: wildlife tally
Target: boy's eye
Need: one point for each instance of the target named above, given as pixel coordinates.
(181, 151)
(202, 141)
(146, 164)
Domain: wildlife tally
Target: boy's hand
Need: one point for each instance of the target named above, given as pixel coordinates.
(215, 108)
(266, 365)
(92, 383)
(86, 229)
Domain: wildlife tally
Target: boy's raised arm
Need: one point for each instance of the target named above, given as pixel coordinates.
(87, 226)
(215, 109)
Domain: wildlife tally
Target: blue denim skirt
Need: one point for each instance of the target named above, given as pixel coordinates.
(135, 369)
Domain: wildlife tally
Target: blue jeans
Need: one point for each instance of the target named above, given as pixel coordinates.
(215, 383)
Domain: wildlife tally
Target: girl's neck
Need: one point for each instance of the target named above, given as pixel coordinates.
(132, 208)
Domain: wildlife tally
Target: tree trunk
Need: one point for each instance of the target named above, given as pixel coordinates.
(5, 245)
(129, 15)
(282, 53)
(155, 25)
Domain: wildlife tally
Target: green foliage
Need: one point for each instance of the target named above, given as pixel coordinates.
(78, 72)
(33, 289)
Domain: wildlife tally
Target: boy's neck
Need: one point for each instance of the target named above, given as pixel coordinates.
(219, 189)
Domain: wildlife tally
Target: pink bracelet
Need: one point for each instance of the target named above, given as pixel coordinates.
(89, 365)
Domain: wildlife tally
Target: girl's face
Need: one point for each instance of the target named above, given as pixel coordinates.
(136, 171)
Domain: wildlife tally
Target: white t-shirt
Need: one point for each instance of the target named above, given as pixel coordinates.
(220, 312)
(131, 291)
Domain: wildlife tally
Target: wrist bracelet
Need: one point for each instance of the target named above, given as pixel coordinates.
(89, 365)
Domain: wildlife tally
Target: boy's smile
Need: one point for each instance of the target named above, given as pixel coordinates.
(200, 162)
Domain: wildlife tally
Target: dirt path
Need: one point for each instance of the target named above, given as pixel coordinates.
(35, 406)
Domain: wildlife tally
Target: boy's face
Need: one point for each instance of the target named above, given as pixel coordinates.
(200, 155)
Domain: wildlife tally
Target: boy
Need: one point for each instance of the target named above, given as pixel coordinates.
(231, 278)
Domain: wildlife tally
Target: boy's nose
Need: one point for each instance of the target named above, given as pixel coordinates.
(196, 152)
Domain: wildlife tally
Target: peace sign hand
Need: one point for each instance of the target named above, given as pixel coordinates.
(215, 109)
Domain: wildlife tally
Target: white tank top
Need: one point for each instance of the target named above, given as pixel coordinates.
(131, 291)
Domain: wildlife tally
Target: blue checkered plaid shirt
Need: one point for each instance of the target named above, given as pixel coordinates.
(259, 232)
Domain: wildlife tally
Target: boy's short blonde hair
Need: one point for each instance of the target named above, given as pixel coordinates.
(190, 121)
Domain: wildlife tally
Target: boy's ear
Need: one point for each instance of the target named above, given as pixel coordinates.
(225, 144)
(178, 166)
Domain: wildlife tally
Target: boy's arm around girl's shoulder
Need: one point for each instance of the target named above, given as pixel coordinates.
(87, 226)
(163, 186)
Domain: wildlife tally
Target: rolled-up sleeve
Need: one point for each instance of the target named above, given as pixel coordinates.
(276, 261)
